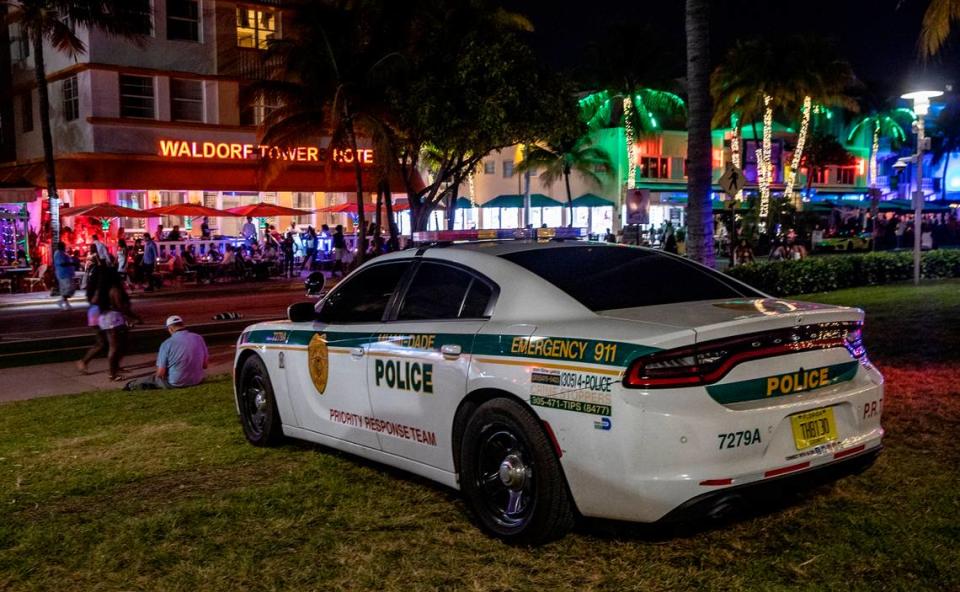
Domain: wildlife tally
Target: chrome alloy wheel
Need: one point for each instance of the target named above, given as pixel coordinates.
(505, 476)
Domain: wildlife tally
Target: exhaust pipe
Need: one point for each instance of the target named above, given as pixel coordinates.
(725, 507)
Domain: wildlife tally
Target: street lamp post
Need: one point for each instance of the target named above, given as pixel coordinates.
(921, 106)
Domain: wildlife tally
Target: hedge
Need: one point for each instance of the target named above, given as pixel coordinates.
(822, 274)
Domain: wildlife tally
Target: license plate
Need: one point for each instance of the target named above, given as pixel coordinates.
(814, 427)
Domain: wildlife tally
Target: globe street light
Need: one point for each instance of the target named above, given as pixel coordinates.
(921, 106)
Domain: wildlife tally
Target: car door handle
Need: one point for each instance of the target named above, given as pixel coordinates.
(356, 352)
(451, 350)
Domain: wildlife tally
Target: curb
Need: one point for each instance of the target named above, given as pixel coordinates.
(29, 352)
(47, 299)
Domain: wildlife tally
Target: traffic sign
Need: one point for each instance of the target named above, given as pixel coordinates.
(732, 180)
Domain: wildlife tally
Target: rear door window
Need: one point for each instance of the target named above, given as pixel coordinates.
(439, 292)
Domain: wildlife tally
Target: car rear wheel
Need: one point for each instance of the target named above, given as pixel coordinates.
(511, 477)
(258, 406)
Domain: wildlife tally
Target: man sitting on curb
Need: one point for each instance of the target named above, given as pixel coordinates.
(181, 362)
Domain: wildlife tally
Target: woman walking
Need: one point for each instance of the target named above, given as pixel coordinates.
(115, 314)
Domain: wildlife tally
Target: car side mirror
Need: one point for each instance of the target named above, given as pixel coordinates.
(315, 284)
(302, 312)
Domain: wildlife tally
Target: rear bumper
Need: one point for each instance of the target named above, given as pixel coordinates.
(718, 503)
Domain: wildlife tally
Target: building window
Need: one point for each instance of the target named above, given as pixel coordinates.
(136, 200)
(71, 98)
(654, 167)
(254, 113)
(821, 175)
(845, 175)
(489, 167)
(186, 100)
(256, 27)
(141, 17)
(183, 20)
(136, 96)
(507, 169)
(303, 201)
(26, 111)
(22, 43)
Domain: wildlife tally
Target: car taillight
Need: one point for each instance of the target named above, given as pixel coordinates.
(709, 361)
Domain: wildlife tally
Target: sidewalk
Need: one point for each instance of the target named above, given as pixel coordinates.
(27, 299)
(63, 378)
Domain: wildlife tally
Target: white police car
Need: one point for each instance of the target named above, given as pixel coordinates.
(553, 379)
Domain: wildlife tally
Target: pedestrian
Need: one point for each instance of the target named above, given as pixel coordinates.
(339, 250)
(181, 361)
(249, 231)
(743, 253)
(159, 233)
(64, 271)
(310, 248)
(115, 315)
(93, 321)
(149, 261)
(286, 248)
(102, 251)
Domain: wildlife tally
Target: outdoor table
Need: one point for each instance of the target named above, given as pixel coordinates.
(16, 275)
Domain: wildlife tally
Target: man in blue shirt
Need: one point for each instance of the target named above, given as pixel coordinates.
(64, 270)
(182, 360)
(150, 256)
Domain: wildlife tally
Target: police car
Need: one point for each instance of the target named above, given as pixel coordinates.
(553, 379)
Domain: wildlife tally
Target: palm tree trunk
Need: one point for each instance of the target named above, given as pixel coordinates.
(358, 172)
(47, 138)
(566, 180)
(699, 143)
(391, 223)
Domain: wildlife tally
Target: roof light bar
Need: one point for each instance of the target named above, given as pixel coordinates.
(561, 232)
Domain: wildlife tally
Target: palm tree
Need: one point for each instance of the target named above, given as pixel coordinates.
(54, 22)
(935, 29)
(641, 111)
(563, 157)
(699, 143)
(823, 150)
(880, 122)
(331, 79)
(784, 75)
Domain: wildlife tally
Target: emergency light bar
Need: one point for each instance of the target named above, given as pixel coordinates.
(561, 232)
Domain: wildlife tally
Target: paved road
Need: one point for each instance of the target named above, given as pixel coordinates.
(41, 333)
(46, 321)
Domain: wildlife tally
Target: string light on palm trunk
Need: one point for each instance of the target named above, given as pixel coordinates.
(735, 152)
(631, 149)
(798, 151)
(874, 148)
(764, 158)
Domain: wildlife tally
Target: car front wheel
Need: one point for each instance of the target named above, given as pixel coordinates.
(511, 477)
(258, 406)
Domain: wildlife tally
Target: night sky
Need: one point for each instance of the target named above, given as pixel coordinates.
(878, 37)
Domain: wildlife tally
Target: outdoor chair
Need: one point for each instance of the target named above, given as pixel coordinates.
(33, 281)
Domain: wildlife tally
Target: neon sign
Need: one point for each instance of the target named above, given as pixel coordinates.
(239, 151)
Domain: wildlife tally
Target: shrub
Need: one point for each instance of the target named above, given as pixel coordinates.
(822, 274)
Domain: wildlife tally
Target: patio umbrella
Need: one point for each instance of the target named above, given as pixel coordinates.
(265, 210)
(188, 210)
(103, 210)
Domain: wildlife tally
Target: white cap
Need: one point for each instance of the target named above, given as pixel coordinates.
(174, 320)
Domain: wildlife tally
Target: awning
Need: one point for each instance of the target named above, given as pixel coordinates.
(12, 195)
(591, 200)
(120, 171)
(509, 200)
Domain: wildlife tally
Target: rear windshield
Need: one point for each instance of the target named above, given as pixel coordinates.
(610, 277)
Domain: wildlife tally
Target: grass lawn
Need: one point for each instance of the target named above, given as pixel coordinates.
(159, 491)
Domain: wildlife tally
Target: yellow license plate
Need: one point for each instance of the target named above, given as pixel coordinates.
(814, 427)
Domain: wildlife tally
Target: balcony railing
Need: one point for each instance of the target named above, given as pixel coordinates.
(249, 64)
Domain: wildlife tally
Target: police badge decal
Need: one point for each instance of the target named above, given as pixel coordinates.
(318, 359)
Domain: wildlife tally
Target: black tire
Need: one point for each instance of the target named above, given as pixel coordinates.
(257, 404)
(511, 477)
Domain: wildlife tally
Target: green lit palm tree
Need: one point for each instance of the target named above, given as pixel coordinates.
(937, 20)
(880, 123)
(559, 159)
(54, 22)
